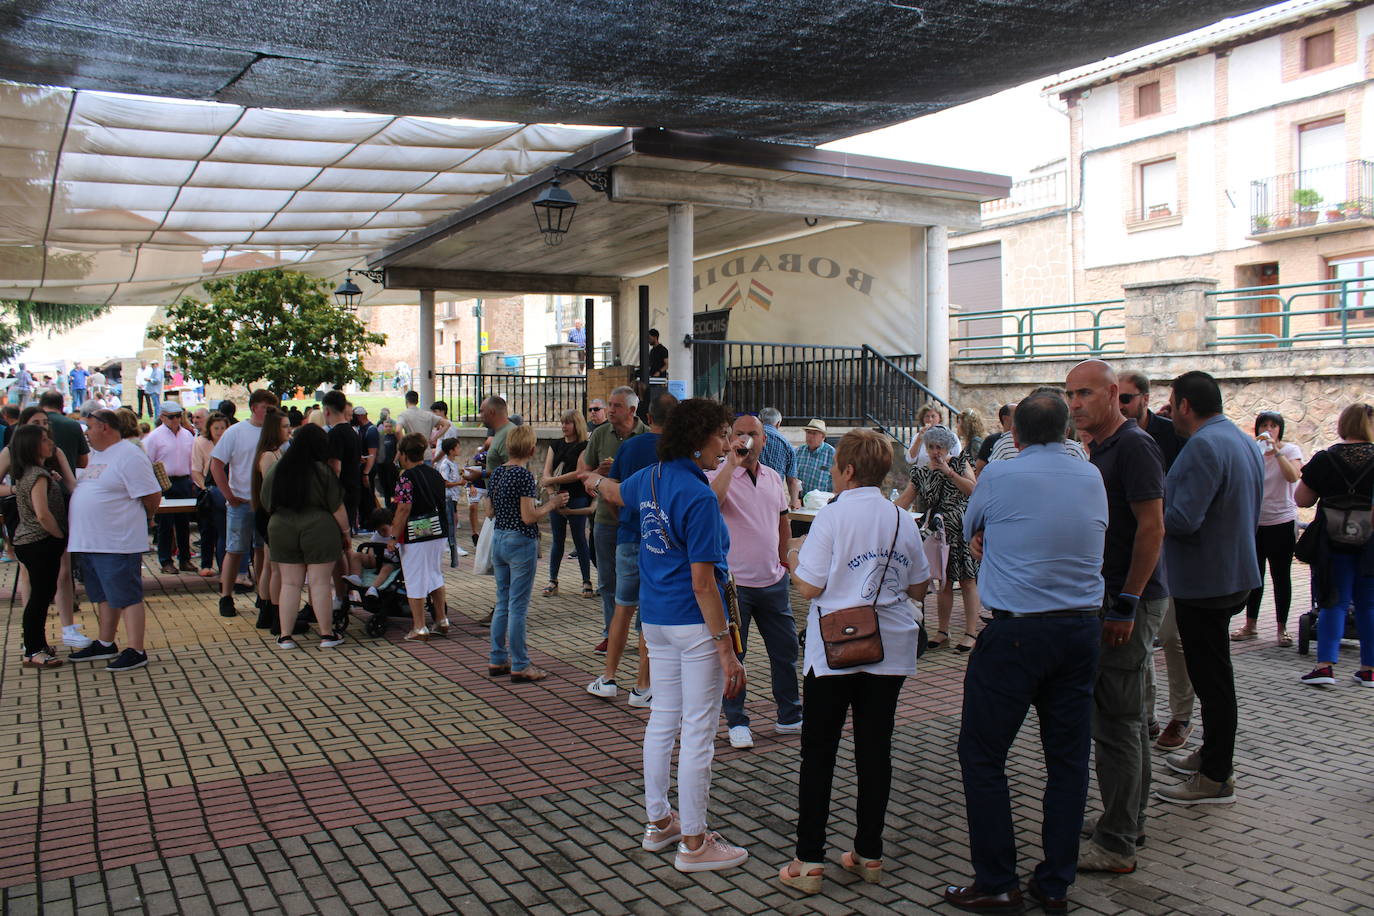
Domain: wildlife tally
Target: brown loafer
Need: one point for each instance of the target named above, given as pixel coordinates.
(498, 670)
(974, 899)
(528, 675)
(1047, 903)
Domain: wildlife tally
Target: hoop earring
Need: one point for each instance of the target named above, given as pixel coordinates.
(696, 454)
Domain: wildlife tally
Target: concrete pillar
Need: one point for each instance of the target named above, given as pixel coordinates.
(1169, 316)
(426, 387)
(680, 265)
(937, 310)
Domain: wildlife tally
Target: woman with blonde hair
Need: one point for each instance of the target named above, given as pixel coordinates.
(928, 417)
(560, 470)
(972, 429)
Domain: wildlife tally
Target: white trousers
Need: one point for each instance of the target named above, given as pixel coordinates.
(688, 684)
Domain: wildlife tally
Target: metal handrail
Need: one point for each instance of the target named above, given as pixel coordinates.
(1029, 340)
(1338, 289)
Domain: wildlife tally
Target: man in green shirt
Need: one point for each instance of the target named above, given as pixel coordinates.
(602, 445)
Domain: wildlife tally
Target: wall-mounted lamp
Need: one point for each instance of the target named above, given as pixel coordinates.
(348, 294)
(554, 208)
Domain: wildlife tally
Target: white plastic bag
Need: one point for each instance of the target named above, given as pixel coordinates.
(481, 562)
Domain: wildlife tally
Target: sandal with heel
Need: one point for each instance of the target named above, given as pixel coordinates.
(805, 881)
(551, 589)
(588, 591)
(871, 870)
(938, 643)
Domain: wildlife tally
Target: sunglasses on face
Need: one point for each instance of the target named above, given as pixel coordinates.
(596, 409)
(1126, 398)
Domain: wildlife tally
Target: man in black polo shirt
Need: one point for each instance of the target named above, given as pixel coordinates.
(1133, 472)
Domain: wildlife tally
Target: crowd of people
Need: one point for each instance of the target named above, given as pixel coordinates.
(1119, 527)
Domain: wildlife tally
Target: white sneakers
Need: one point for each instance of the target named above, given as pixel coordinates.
(355, 580)
(72, 636)
(603, 688)
(641, 700)
(789, 728)
(741, 737)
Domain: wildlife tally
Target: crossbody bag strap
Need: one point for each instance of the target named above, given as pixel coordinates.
(878, 590)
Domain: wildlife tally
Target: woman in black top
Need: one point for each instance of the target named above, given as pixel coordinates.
(1341, 477)
(421, 527)
(560, 470)
(41, 535)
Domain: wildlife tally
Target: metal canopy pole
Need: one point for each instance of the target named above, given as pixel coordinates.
(681, 225)
(644, 334)
(589, 347)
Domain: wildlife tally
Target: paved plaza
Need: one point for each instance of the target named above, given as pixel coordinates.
(231, 777)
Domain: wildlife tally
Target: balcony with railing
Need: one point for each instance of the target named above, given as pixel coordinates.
(1330, 198)
(1041, 192)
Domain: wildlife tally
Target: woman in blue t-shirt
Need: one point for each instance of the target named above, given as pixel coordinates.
(681, 569)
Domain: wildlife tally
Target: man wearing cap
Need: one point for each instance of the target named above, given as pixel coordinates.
(172, 444)
(814, 460)
(370, 438)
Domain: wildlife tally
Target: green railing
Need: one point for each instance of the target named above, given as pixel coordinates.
(1339, 303)
(1029, 338)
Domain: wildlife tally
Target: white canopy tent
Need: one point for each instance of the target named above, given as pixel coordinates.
(125, 200)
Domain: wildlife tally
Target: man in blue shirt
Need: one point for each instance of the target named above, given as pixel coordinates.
(779, 455)
(1212, 498)
(577, 335)
(77, 377)
(1040, 523)
(634, 455)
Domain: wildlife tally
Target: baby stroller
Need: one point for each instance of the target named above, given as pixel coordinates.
(390, 600)
(1307, 628)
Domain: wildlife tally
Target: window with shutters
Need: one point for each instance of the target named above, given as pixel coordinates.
(1147, 99)
(1319, 50)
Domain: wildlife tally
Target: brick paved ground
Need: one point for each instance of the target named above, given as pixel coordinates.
(389, 777)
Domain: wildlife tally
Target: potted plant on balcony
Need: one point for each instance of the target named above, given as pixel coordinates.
(1159, 211)
(1261, 224)
(1307, 201)
(1351, 209)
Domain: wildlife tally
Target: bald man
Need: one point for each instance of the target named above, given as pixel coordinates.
(1132, 468)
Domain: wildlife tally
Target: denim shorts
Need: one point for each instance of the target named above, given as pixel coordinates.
(242, 535)
(627, 575)
(116, 578)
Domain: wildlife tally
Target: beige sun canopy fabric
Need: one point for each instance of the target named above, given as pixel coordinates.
(129, 200)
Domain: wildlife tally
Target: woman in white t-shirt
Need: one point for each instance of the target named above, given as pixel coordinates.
(1276, 535)
(929, 417)
(862, 550)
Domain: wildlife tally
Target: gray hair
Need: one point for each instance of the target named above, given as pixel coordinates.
(939, 437)
(770, 416)
(628, 393)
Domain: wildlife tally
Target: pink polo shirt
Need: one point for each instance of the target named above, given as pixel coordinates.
(751, 510)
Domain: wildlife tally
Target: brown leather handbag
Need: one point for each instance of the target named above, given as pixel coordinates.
(851, 635)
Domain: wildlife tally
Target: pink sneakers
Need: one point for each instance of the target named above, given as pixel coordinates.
(656, 840)
(713, 855)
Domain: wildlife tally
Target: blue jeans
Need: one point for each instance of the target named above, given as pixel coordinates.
(1049, 663)
(513, 560)
(78, 398)
(604, 536)
(154, 401)
(1349, 585)
(771, 610)
(212, 529)
(560, 526)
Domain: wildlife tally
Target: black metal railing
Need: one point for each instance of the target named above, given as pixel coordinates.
(1328, 195)
(538, 399)
(842, 385)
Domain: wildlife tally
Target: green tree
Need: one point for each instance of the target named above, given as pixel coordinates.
(277, 326)
(19, 318)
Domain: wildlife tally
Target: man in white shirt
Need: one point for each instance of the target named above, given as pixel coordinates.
(415, 419)
(116, 494)
(231, 465)
(172, 443)
(141, 379)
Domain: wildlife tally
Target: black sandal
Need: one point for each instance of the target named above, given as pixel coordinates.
(938, 643)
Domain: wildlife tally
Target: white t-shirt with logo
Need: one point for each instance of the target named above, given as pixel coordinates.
(235, 448)
(845, 554)
(106, 515)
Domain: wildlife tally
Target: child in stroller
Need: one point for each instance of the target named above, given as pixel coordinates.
(375, 572)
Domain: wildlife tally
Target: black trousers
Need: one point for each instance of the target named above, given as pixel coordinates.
(1203, 625)
(1274, 544)
(142, 400)
(43, 560)
(826, 702)
(177, 524)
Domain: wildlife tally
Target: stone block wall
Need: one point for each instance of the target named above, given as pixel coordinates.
(1308, 386)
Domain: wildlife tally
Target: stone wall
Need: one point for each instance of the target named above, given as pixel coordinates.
(503, 320)
(1308, 386)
